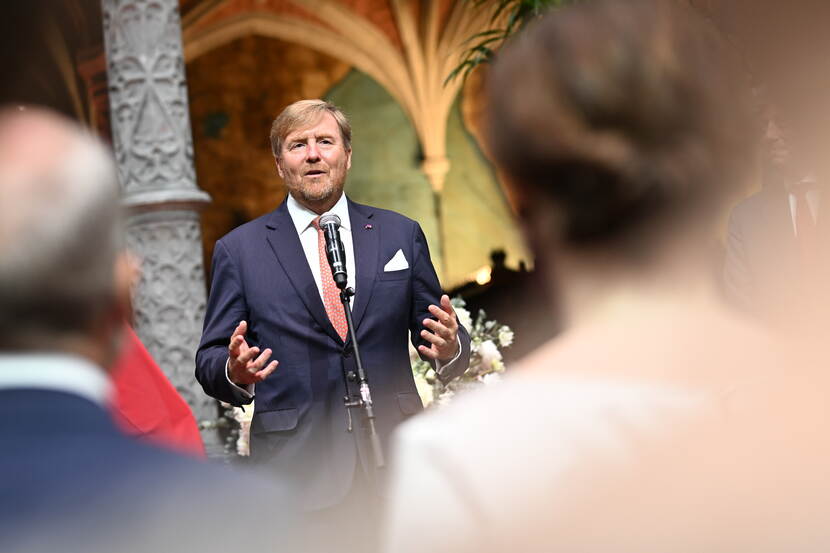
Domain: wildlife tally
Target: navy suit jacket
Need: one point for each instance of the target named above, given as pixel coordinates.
(70, 481)
(260, 274)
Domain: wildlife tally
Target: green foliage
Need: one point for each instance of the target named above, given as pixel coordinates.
(518, 14)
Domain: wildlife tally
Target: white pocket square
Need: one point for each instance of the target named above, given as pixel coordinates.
(397, 263)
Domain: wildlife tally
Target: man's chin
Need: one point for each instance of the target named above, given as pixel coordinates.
(316, 198)
(318, 195)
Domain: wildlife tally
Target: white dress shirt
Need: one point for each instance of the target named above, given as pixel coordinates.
(55, 372)
(302, 218)
(813, 200)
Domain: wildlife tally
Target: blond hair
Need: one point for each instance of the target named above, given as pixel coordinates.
(302, 114)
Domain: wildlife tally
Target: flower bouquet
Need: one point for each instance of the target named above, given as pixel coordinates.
(487, 338)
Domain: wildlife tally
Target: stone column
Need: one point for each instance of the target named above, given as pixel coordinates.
(154, 151)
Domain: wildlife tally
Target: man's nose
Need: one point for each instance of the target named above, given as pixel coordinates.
(312, 152)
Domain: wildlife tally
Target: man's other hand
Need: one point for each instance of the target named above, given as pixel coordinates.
(442, 332)
(245, 364)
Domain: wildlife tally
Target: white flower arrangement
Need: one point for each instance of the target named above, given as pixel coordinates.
(487, 339)
(240, 433)
(244, 418)
(234, 426)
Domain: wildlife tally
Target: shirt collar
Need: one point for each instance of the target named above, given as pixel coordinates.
(56, 372)
(302, 217)
(807, 184)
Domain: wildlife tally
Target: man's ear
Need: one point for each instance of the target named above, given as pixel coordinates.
(279, 167)
(348, 159)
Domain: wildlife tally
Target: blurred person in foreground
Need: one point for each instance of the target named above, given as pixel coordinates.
(657, 421)
(69, 479)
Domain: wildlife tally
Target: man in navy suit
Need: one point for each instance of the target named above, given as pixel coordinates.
(272, 295)
(777, 260)
(69, 479)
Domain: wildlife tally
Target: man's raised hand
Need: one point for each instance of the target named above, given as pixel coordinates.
(246, 365)
(441, 333)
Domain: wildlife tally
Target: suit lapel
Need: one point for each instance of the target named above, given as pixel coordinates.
(366, 241)
(286, 245)
(778, 223)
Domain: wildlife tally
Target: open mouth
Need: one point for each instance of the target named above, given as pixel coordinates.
(315, 173)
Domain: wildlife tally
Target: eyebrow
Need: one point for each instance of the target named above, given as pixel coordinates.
(305, 138)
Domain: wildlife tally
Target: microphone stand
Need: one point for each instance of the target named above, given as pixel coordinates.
(364, 401)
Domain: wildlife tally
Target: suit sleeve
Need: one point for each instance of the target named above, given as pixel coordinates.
(737, 280)
(226, 307)
(427, 291)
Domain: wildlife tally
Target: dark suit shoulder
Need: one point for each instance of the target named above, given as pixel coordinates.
(760, 206)
(259, 227)
(383, 215)
(246, 230)
(761, 199)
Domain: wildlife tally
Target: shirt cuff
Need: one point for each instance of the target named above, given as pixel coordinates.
(440, 367)
(247, 391)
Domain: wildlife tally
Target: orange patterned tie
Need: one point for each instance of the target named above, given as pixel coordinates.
(331, 294)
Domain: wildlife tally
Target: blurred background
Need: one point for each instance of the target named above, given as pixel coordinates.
(189, 123)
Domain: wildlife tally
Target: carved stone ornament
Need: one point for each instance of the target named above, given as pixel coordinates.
(154, 152)
(148, 101)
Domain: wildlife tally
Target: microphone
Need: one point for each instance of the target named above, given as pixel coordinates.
(330, 223)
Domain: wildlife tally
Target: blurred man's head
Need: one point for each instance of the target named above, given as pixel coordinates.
(787, 155)
(61, 287)
(622, 122)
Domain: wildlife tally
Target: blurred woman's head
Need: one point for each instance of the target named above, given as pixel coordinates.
(622, 124)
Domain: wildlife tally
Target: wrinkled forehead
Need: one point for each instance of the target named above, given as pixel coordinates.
(323, 124)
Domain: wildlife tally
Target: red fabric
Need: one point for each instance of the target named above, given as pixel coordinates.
(331, 295)
(146, 403)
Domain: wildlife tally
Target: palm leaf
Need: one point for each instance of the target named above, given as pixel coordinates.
(482, 48)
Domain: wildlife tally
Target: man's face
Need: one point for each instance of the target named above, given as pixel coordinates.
(776, 139)
(313, 163)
